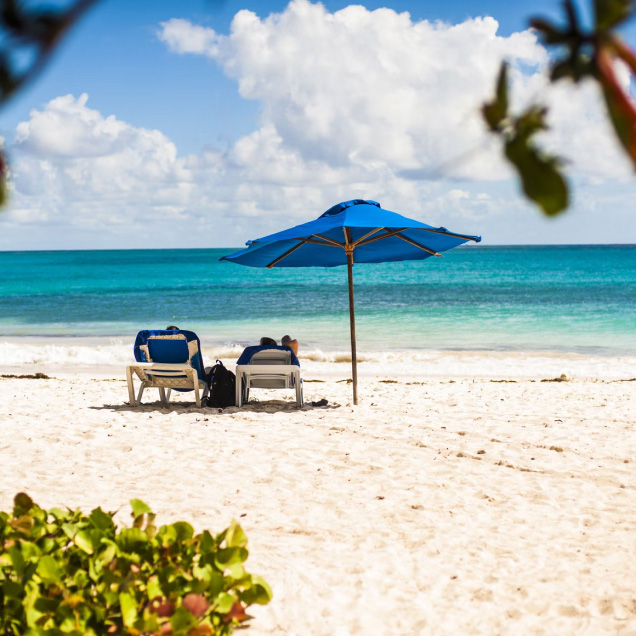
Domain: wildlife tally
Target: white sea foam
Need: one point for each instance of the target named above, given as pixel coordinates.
(46, 354)
(94, 353)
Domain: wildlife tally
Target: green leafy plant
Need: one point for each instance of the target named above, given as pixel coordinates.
(63, 572)
(540, 174)
(582, 54)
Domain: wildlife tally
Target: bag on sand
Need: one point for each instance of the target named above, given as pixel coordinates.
(222, 387)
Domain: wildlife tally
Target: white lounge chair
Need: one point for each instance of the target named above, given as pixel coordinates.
(268, 369)
(167, 360)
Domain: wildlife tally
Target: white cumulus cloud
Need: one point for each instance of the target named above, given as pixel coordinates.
(368, 88)
(354, 104)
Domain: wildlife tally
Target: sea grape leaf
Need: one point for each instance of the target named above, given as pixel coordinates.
(184, 530)
(610, 13)
(128, 609)
(17, 560)
(46, 605)
(101, 520)
(207, 543)
(22, 503)
(262, 591)
(182, 620)
(235, 571)
(23, 524)
(549, 33)
(495, 112)
(235, 537)
(48, 569)
(154, 587)
(541, 180)
(131, 539)
(224, 603)
(83, 541)
(215, 584)
(59, 514)
(139, 507)
(227, 556)
(11, 589)
(203, 573)
(197, 604)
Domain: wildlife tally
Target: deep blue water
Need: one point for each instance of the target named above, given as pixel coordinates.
(559, 298)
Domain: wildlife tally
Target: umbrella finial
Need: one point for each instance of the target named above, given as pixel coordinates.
(340, 207)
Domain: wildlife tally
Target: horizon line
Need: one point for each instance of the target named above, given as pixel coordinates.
(160, 249)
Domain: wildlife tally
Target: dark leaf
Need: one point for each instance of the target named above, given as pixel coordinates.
(562, 70)
(548, 32)
(101, 520)
(496, 111)
(610, 13)
(182, 620)
(541, 179)
(22, 503)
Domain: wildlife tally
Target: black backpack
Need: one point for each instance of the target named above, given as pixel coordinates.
(222, 386)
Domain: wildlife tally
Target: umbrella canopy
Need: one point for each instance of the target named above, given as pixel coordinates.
(351, 232)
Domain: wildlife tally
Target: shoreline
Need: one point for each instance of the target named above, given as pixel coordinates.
(95, 355)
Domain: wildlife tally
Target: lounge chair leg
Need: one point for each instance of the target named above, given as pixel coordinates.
(162, 395)
(141, 391)
(195, 384)
(237, 390)
(300, 400)
(131, 387)
(168, 393)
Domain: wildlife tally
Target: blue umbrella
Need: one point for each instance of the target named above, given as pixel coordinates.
(351, 232)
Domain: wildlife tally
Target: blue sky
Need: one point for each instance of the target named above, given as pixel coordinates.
(162, 115)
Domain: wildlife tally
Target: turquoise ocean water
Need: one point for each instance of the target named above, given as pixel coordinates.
(547, 298)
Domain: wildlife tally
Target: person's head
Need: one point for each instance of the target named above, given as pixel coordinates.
(172, 328)
(268, 341)
(288, 341)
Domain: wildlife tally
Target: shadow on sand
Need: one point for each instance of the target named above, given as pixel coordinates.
(268, 406)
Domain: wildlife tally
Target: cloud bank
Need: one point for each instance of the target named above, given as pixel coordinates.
(354, 103)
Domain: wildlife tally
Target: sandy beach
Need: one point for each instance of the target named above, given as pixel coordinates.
(464, 495)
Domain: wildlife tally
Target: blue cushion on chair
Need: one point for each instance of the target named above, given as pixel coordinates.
(168, 351)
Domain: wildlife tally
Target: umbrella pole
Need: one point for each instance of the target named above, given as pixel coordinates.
(352, 320)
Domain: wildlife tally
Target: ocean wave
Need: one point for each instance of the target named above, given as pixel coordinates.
(119, 354)
(12, 354)
(72, 356)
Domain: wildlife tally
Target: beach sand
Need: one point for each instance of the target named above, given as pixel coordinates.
(464, 495)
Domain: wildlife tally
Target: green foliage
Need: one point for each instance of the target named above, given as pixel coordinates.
(63, 572)
(582, 54)
(610, 13)
(541, 179)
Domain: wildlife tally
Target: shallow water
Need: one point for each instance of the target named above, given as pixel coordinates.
(547, 298)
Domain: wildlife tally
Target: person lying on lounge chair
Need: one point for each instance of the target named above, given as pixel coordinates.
(286, 341)
(248, 352)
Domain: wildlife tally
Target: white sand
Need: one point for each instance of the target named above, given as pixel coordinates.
(445, 503)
